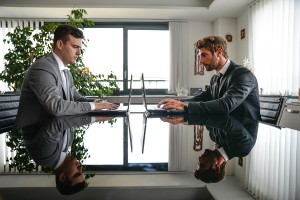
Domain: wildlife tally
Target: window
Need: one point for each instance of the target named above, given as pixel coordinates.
(130, 48)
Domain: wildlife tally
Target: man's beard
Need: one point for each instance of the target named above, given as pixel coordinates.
(213, 65)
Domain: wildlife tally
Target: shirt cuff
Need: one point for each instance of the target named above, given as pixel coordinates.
(93, 119)
(223, 153)
(93, 106)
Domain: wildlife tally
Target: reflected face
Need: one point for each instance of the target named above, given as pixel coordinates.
(70, 50)
(209, 60)
(207, 160)
(73, 171)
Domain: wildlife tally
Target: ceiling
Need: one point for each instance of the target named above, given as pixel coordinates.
(204, 10)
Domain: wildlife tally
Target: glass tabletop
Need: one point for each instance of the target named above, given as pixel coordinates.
(252, 151)
(134, 142)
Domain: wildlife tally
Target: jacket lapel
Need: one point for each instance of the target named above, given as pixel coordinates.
(59, 78)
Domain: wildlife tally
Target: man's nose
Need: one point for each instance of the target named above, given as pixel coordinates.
(201, 60)
(80, 168)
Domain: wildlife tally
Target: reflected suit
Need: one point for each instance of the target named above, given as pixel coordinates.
(237, 137)
(44, 140)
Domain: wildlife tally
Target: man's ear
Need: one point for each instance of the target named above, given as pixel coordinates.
(219, 51)
(61, 177)
(59, 44)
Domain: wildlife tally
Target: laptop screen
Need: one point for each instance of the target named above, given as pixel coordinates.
(143, 91)
(130, 93)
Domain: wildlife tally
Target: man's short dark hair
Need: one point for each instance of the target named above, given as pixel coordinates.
(212, 43)
(66, 187)
(62, 32)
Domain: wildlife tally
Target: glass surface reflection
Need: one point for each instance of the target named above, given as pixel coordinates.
(134, 142)
(131, 144)
(125, 145)
(232, 137)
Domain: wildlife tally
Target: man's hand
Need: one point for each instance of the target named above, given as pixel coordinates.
(171, 104)
(172, 120)
(105, 105)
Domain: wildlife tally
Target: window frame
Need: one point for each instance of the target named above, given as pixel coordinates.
(133, 26)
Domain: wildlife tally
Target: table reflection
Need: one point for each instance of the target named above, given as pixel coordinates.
(124, 146)
(54, 145)
(232, 137)
(131, 143)
(107, 146)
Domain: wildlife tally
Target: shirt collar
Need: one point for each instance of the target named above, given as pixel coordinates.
(224, 68)
(61, 65)
(61, 159)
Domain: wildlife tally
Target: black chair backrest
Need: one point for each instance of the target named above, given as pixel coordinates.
(9, 103)
(271, 107)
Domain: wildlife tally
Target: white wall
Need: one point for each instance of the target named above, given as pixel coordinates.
(224, 26)
(197, 30)
(220, 27)
(242, 44)
(242, 52)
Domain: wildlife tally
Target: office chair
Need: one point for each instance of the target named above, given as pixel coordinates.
(271, 108)
(9, 103)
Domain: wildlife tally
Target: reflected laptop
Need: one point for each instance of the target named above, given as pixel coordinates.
(153, 110)
(127, 122)
(122, 110)
(143, 135)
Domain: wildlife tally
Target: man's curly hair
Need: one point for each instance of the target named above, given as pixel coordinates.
(212, 43)
(210, 175)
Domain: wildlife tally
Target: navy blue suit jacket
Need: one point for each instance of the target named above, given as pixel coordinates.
(236, 94)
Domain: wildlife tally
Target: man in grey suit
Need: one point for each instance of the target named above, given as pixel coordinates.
(48, 143)
(48, 87)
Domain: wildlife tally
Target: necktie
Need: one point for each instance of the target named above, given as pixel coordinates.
(65, 141)
(66, 83)
(217, 81)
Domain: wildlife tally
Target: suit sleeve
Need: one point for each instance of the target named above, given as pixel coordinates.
(239, 86)
(52, 129)
(44, 84)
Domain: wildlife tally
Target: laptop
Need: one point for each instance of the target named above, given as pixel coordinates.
(153, 110)
(121, 111)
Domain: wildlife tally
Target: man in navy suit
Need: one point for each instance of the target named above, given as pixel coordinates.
(232, 137)
(233, 89)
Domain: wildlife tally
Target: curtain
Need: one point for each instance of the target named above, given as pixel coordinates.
(179, 55)
(6, 26)
(274, 45)
(178, 152)
(272, 167)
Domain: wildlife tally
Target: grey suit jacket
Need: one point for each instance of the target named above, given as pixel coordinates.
(42, 94)
(44, 140)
